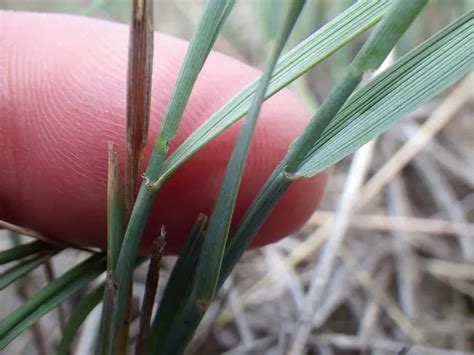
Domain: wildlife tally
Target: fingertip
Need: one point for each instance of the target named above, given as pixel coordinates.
(64, 98)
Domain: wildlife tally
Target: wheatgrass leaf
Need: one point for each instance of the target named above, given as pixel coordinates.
(24, 250)
(310, 52)
(50, 297)
(206, 276)
(21, 269)
(393, 25)
(210, 259)
(378, 46)
(77, 318)
(419, 76)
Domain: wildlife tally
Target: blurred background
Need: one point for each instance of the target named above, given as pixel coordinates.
(385, 266)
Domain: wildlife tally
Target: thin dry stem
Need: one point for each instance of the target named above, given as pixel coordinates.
(140, 68)
(151, 284)
(23, 231)
(379, 222)
(139, 81)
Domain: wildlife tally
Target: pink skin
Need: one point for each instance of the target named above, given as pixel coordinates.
(62, 99)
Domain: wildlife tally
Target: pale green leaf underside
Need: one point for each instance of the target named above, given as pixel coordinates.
(351, 23)
(422, 74)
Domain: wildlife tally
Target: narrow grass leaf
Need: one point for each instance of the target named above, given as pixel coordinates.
(268, 196)
(50, 297)
(212, 19)
(252, 221)
(393, 25)
(310, 52)
(24, 267)
(210, 259)
(223, 18)
(206, 277)
(77, 318)
(106, 325)
(22, 251)
(400, 15)
(185, 325)
(422, 74)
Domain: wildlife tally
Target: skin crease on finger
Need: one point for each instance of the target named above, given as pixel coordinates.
(63, 98)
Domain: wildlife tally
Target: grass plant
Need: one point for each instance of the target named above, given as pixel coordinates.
(355, 111)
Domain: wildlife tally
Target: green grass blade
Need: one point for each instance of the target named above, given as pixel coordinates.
(196, 55)
(105, 328)
(210, 260)
(15, 272)
(50, 297)
(255, 216)
(280, 180)
(212, 19)
(313, 50)
(360, 106)
(393, 25)
(209, 263)
(223, 18)
(367, 104)
(178, 287)
(22, 251)
(267, 198)
(77, 318)
(422, 74)
(181, 330)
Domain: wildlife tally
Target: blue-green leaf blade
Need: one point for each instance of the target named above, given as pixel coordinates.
(422, 74)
